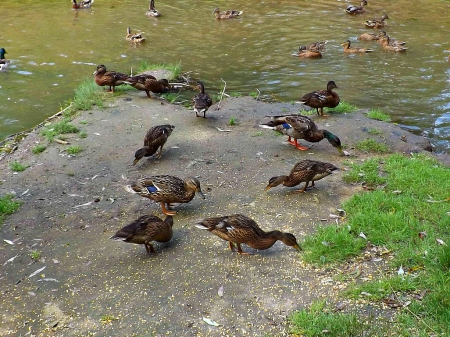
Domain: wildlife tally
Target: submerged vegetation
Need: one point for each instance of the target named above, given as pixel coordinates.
(406, 216)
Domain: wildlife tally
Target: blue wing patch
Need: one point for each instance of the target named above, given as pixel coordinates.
(151, 189)
(286, 126)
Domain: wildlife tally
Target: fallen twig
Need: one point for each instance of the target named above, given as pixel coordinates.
(223, 92)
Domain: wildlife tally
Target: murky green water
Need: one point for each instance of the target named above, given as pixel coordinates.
(53, 47)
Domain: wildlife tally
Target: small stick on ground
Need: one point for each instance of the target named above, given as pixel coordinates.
(223, 92)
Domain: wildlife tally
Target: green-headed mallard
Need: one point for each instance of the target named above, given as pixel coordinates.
(238, 229)
(354, 50)
(82, 4)
(135, 38)
(377, 23)
(301, 127)
(304, 171)
(368, 36)
(155, 139)
(109, 78)
(147, 83)
(146, 229)
(305, 52)
(201, 101)
(390, 41)
(152, 11)
(226, 14)
(4, 63)
(357, 9)
(166, 189)
(320, 99)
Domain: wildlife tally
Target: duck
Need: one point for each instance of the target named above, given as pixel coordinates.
(319, 45)
(109, 78)
(145, 229)
(304, 171)
(303, 52)
(239, 229)
(147, 83)
(385, 42)
(201, 101)
(136, 38)
(377, 23)
(154, 139)
(166, 189)
(357, 9)
(301, 127)
(231, 14)
(152, 11)
(355, 50)
(82, 4)
(320, 99)
(368, 37)
(4, 63)
(391, 41)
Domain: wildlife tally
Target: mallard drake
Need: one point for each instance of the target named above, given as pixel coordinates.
(301, 127)
(202, 101)
(82, 4)
(146, 229)
(155, 139)
(238, 229)
(135, 38)
(368, 36)
(152, 11)
(109, 78)
(304, 171)
(166, 189)
(357, 9)
(385, 42)
(303, 52)
(226, 14)
(377, 23)
(348, 49)
(147, 83)
(391, 41)
(320, 99)
(4, 63)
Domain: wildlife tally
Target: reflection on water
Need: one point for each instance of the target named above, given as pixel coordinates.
(50, 57)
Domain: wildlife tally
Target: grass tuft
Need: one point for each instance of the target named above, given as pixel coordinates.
(18, 167)
(174, 69)
(343, 107)
(38, 149)
(370, 145)
(87, 95)
(63, 126)
(378, 115)
(74, 149)
(8, 205)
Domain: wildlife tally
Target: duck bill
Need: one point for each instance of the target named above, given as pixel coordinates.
(297, 247)
(135, 161)
(268, 187)
(200, 193)
(342, 153)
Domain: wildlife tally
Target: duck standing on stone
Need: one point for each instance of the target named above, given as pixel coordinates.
(109, 78)
(148, 83)
(146, 229)
(320, 99)
(238, 229)
(202, 101)
(155, 139)
(304, 171)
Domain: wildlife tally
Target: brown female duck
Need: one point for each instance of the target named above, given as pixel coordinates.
(82, 4)
(377, 23)
(357, 9)
(355, 50)
(391, 41)
(301, 127)
(152, 11)
(305, 52)
(201, 101)
(155, 139)
(231, 14)
(146, 229)
(320, 99)
(385, 42)
(147, 83)
(166, 189)
(108, 78)
(304, 171)
(135, 38)
(239, 229)
(368, 37)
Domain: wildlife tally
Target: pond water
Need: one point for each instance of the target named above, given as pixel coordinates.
(52, 47)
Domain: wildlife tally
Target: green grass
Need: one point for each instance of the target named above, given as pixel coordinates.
(171, 97)
(343, 107)
(7, 206)
(370, 145)
(174, 69)
(235, 94)
(378, 115)
(367, 172)
(63, 126)
(18, 167)
(254, 94)
(38, 149)
(74, 149)
(87, 95)
(35, 254)
(375, 132)
(233, 121)
(83, 134)
(411, 197)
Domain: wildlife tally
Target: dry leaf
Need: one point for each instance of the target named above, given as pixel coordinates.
(37, 271)
(440, 242)
(210, 322)
(363, 235)
(8, 241)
